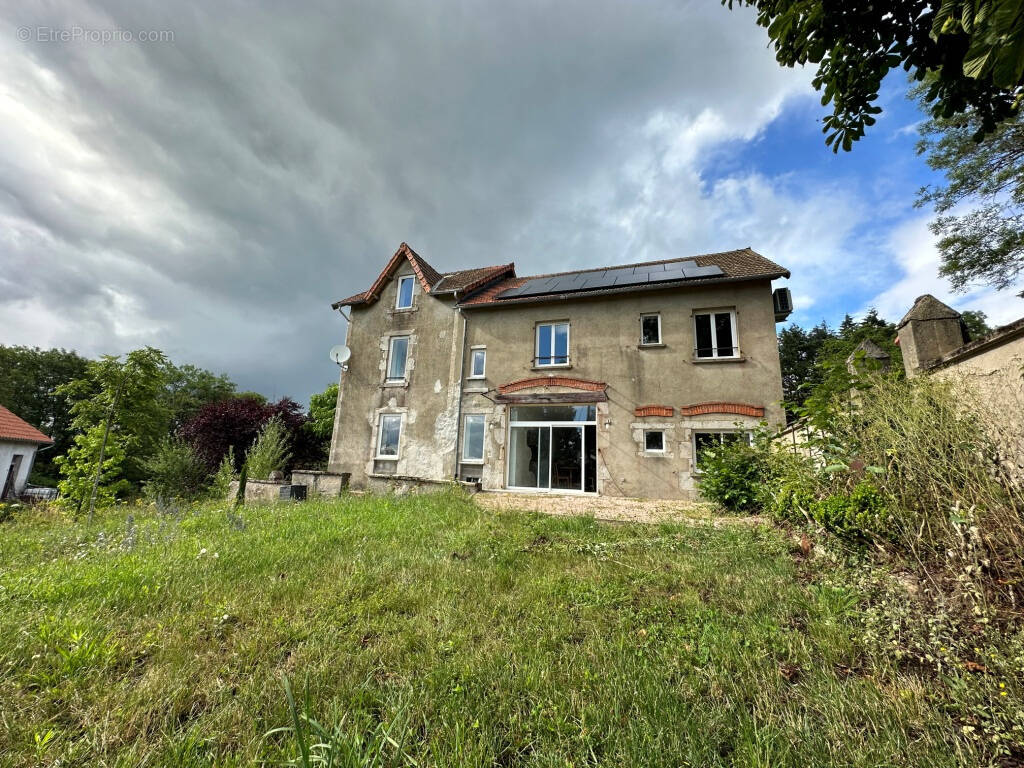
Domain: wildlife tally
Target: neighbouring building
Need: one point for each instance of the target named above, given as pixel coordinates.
(609, 380)
(19, 442)
(935, 342)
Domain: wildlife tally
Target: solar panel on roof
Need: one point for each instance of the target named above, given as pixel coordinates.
(696, 272)
(684, 269)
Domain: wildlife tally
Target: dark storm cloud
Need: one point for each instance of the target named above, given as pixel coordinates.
(211, 195)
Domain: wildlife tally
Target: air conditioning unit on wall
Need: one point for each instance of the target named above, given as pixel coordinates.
(783, 301)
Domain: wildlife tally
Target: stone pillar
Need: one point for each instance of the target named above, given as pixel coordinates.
(927, 332)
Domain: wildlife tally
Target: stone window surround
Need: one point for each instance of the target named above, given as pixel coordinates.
(410, 358)
(380, 414)
(465, 441)
(639, 430)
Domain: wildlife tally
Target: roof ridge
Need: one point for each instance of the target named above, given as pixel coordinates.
(642, 263)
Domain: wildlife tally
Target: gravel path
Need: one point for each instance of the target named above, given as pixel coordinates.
(610, 508)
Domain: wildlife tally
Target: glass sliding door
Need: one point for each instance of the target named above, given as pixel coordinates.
(553, 448)
(529, 459)
(567, 458)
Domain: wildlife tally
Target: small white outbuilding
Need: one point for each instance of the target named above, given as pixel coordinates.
(19, 442)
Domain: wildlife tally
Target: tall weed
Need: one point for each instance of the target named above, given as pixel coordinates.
(917, 458)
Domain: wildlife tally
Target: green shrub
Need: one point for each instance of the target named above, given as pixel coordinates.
(733, 475)
(175, 472)
(918, 466)
(270, 450)
(791, 500)
(221, 483)
(860, 515)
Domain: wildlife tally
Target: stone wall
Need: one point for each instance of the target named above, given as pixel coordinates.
(991, 369)
(320, 483)
(995, 378)
(257, 490)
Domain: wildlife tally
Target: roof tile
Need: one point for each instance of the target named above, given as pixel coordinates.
(13, 428)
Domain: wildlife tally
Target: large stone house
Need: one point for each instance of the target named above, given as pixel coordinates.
(608, 381)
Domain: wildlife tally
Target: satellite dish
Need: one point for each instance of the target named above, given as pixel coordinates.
(340, 354)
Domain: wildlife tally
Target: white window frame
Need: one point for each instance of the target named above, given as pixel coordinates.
(568, 344)
(735, 351)
(657, 343)
(465, 433)
(380, 437)
(663, 441)
(473, 351)
(749, 433)
(388, 379)
(412, 291)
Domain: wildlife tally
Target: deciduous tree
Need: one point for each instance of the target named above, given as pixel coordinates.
(117, 410)
(980, 203)
(975, 49)
(29, 380)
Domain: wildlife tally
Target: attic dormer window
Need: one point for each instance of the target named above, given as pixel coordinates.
(404, 292)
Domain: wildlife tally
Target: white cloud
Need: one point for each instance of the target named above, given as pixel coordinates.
(911, 248)
(212, 195)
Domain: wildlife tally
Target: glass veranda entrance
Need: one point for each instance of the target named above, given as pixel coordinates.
(553, 448)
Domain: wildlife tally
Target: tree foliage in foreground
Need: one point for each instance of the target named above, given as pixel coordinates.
(321, 412)
(126, 395)
(29, 379)
(974, 48)
(234, 424)
(985, 243)
(814, 363)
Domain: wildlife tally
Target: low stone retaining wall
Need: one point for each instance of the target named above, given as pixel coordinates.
(257, 490)
(402, 485)
(319, 483)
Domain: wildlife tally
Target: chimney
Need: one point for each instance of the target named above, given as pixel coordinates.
(927, 332)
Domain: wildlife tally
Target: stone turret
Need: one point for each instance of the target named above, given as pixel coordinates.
(867, 350)
(927, 332)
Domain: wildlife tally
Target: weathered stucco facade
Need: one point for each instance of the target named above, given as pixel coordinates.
(472, 356)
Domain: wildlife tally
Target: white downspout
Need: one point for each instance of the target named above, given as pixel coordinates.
(458, 407)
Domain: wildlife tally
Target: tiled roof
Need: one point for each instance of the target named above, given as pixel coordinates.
(426, 274)
(488, 295)
(356, 298)
(927, 307)
(484, 284)
(468, 279)
(13, 428)
(742, 264)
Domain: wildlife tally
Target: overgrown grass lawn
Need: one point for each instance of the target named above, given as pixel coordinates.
(426, 631)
